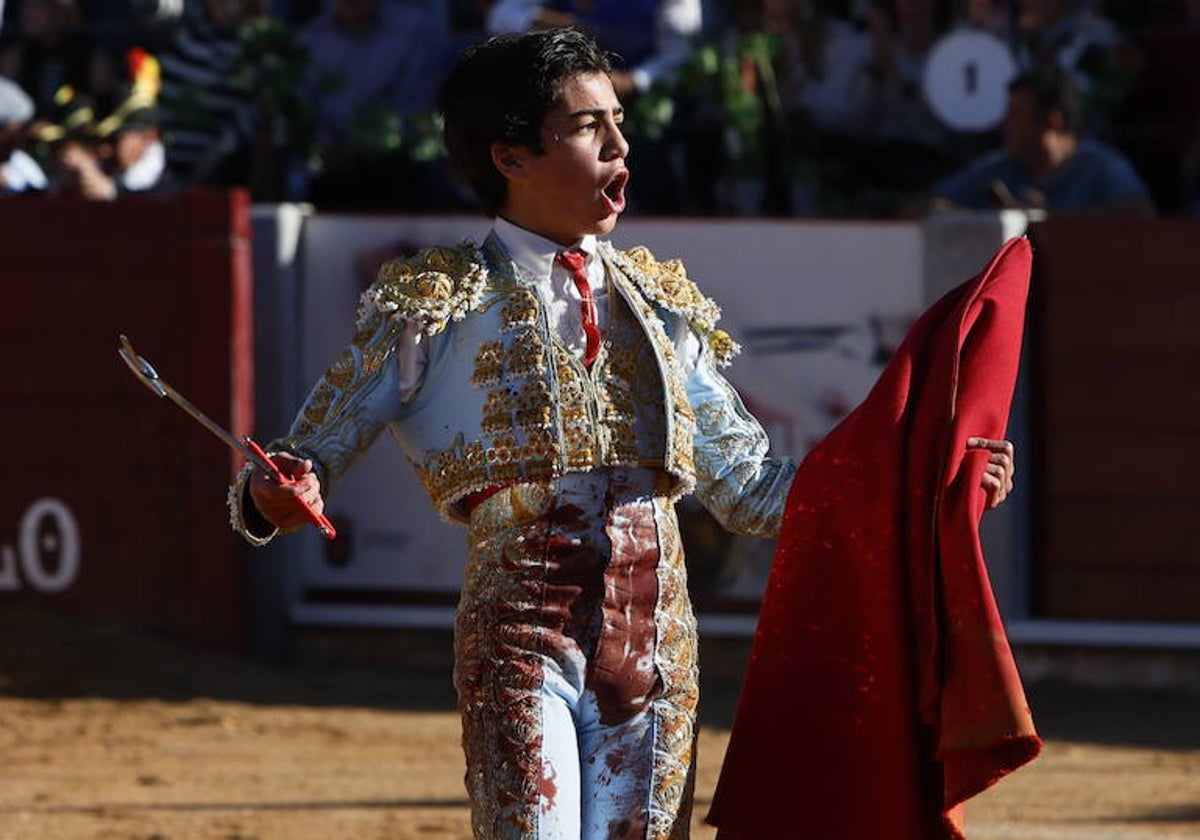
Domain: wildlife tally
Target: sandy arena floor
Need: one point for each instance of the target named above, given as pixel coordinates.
(115, 736)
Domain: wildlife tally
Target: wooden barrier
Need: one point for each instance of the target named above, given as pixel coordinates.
(1115, 336)
(112, 503)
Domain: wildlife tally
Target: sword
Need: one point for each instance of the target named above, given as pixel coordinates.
(247, 447)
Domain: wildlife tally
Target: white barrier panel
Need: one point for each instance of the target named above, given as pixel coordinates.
(817, 306)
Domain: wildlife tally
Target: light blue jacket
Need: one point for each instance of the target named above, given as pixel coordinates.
(504, 401)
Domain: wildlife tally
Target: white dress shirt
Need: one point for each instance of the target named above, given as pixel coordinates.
(533, 256)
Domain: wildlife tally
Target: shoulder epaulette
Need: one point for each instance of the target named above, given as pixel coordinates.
(429, 289)
(666, 284)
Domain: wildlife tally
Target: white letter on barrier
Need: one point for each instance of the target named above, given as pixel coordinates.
(67, 545)
(9, 582)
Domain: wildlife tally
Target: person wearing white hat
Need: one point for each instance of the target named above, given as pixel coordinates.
(18, 171)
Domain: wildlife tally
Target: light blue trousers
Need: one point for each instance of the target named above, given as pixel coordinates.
(575, 664)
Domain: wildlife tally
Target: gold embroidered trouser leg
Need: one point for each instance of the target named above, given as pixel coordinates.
(576, 664)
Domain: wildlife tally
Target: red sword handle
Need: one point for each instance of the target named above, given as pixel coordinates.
(321, 523)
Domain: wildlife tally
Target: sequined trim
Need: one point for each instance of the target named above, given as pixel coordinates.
(430, 289)
(467, 468)
(723, 347)
(682, 422)
(676, 657)
(497, 673)
(234, 500)
(666, 283)
(521, 310)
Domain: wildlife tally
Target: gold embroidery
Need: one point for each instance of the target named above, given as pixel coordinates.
(675, 657)
(532, 418)
(723, 347)
(520, 311)
(535, 427)
(497, 411)
(534, 394)
(341, 372)
(316, 409)
(489, 364)
(430, 289)
(526, 354)
(354, 367)
(667, 284)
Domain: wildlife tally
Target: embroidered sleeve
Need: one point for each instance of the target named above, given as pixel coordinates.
(364, 388)
(342, 416)
(743, 488)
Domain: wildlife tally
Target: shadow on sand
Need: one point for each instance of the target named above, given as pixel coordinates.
(44, 655)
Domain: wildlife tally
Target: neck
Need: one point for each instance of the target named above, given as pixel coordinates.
(532, 225)
(1057, 149)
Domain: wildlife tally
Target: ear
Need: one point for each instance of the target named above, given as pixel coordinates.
(509, 159)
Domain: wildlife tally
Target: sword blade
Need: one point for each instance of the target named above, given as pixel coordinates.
(250, 450)
(149, 377)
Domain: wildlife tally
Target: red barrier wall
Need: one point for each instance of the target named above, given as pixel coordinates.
(1116, 411)
(135, 528)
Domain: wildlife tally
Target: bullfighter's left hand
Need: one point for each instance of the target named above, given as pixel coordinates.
(998, 474)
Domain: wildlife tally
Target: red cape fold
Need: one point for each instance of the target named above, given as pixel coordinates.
(881, 691)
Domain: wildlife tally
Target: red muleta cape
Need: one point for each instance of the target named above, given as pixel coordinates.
(881, 690)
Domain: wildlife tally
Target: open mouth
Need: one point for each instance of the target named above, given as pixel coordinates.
(614, 191)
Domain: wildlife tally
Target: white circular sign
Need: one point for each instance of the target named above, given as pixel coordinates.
(966, 80)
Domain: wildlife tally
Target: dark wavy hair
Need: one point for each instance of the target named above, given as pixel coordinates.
(499, 91)
(1053, 90)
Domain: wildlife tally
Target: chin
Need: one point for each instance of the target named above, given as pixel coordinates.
(606, 225)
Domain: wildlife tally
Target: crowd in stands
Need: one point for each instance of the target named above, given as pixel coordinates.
(749, 107)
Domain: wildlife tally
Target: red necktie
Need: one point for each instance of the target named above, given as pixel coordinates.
(573, 261)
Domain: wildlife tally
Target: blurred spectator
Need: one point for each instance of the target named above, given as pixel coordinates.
(18, 171)
(370, 53)
(991, 16)
(854, 89)
(373, 69)
(121, 152)
(651, 37)
(207, 108)
(1071, 35)
(1045, 163)
(134, 155)
(901, 35)
(824, 59)
(52, 48)
(129, 145)
(68, 134)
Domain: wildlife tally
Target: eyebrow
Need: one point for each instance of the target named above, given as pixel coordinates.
(597, 112)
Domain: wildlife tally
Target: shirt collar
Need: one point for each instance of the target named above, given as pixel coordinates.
(532, 253)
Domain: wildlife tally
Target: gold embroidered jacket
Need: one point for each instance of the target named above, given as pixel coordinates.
(503, 400)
